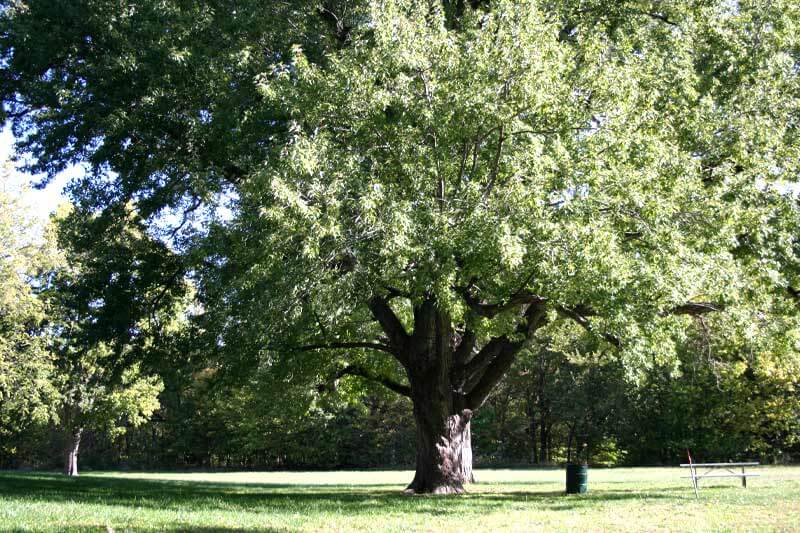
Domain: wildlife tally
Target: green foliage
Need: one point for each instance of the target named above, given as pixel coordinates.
(565, 403)
(602, 155)
(111, 313)
(75, 333)
(623, 170)
(28, 385)
(243, 424)
(93, 399)
(728, 398)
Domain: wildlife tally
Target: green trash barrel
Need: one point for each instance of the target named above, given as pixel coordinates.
(577, 479)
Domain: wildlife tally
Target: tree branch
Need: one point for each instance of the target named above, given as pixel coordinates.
(465, 347)
(345, 345)
(168, 285)
(657, 16)
(794, 293)
(694, 309)
(398, 338)
(360, 371)
(463, 166)
(394, 292)
(340, 29)
(233, 173)
(492, 310)
(535, 318)
(17, 114)
(198, 201)
(472, 371)
(495, 370)
(495, 164)
(576, 316)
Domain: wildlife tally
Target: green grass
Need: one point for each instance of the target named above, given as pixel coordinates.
(517, 500)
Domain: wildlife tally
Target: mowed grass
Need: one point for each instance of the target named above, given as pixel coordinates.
(514, 500)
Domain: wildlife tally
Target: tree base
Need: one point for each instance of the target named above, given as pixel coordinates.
(71, 460)
(442, 490)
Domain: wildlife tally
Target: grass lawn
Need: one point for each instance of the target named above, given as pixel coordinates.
(519, 500)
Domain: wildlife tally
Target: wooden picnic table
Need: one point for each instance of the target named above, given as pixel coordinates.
(712, 469)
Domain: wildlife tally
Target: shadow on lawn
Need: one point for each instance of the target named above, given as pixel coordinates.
(201, 496)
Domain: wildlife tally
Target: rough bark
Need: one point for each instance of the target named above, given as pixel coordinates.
(71, 452)
(441, 416)
(450, 377)
(466, 454)
(444, 440)
(444, 453)
(449, 380)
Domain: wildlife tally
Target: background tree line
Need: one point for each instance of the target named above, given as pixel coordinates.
(529, 421)
(568, 399)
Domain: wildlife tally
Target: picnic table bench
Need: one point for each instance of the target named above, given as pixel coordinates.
(712, 469)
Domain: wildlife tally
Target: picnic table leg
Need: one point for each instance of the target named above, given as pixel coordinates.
(744, 479)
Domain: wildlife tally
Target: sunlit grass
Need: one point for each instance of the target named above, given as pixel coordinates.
(519, 500)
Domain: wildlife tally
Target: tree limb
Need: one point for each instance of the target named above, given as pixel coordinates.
(398, 338)
(492, 310)
(345, 345)
(495, 370)
(656, 16)
(464, 348)
(694, 309)
(576, 316)
(794, 293)
(233, 173)
(337, 25)
(198, 202)
(168, 285)
(394, 292)
(495, 164)
(360, 371)
(473, 370)
(535, 318)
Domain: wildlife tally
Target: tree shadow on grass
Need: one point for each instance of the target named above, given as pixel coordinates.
(174, 526)
(352, 500)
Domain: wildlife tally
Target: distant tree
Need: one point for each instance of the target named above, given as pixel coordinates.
(412, 189)
(28, 393)
(105, 325)
(91, 403)
(731, 394)
(562, 400)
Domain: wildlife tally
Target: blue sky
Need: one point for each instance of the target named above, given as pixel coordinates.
(40, 202)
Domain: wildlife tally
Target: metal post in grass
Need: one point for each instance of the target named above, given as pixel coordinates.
(693, 474)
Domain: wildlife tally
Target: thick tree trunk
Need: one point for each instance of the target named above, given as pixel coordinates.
(71, 453)
(444, 438)
(444, 452)
(449, 378)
